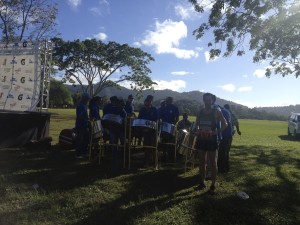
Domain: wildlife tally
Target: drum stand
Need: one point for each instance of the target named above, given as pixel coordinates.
(170, 144)
(132, 145)
(101, 143)
(189, 151)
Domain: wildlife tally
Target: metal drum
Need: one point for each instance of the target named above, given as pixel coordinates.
(180, 138)
(188, 144)
(167, 129)
(141, 125)
(67, 138)
(97, 129)
(112, 122)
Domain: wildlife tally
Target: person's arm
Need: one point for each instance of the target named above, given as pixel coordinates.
(235, 123)
(223, 121)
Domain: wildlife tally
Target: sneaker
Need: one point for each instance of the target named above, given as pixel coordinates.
(201, 186)
(212, 189)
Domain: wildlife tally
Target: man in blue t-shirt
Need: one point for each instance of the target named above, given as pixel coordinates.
(82, 127)
(129, 107)
(225, 143)
(169, 114)
(149, 112)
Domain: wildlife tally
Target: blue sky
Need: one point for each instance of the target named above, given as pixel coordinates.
(164, 29)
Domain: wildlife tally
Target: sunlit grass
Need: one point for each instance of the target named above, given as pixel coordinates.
(265, 163)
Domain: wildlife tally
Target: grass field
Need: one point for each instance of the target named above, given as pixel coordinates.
(48, 186)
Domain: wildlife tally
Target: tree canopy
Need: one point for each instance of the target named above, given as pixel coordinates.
(59, 94)
(30, 19)
(272, 28)
(101, 65)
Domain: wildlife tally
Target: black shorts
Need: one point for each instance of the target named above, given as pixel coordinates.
(207, 145)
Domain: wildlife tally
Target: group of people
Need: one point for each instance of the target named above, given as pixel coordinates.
(214, 129)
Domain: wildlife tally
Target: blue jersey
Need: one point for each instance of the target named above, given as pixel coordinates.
(117, 111)
(129, 108)
(170, 114)
(81, 116)
(94, 112)
(228, 132)
(148, 113)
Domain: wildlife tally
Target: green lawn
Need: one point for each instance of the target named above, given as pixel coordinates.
(265, 164)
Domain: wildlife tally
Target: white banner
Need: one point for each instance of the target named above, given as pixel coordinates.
(19, 79)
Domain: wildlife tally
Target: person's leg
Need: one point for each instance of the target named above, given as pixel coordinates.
(212, 156)
(202, 167)
(79, 143)
(222, 155)
(227, 154)
(85, 143)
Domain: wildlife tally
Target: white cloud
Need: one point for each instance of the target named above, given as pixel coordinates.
(259, 73)
(166, 38)
(137, 44)
(228, 87)
(181, 73)
(96, 11)
(245, 76)
(245, 89)
(206, 55)
(186, 12)
(174, 85)
(74, 3)
(101, 9)
(101, 36)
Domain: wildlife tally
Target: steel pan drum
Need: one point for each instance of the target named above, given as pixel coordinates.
(97, 129)
(67, 138)
(188, 144)
(112, 122)
(180, 138)
(143, 125)
(167, 129)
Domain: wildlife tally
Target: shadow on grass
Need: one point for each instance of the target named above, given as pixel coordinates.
(288, 138)
(151, 192)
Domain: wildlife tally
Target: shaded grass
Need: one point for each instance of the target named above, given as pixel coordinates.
(265, 164)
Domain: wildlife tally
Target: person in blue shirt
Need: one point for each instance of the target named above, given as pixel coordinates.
(149, 112)
(169, 114)
(225, 143)
(129, 107)
(116, 132)
(82, 127)
(94, 108)
(108, 107)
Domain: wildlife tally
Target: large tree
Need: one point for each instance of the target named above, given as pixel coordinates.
(271, 28)
(27, 19)
(101, 65)
(59, 94)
